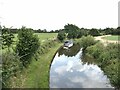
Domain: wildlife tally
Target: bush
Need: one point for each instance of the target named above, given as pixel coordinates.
(95, 50)
(61, 35)
(7, 38)
(108, 59)
(113, 73)
(27, 45)
(110, 52)
(86, 41)
(11, 65)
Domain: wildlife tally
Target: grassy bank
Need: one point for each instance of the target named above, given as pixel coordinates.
(37, 74)
(106, 57)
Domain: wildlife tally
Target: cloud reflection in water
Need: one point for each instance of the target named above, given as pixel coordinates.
(70, 72)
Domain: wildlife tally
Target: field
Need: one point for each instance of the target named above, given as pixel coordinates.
(42, 36)
(113, 38)
(45, 36)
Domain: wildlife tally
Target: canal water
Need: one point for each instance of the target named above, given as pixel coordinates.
(68, 70)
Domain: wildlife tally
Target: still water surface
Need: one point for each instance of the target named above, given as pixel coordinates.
(69, 71)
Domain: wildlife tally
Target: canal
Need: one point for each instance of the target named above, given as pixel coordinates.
(68, 70)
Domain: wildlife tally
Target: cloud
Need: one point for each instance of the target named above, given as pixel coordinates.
(52, 14)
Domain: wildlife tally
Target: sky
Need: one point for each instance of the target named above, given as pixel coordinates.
(54, 14)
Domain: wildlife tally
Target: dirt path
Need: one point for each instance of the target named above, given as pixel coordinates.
(105, 41)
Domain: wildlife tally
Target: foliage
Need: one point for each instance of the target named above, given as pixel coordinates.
(27, 45)
(61, 35)
(113, 31)
(95, 50)
(7, 37)
(11, 65)
(113, 72)
(72, 30)
(108, 59)
(86, 41)
(94, 32)
(82, 32)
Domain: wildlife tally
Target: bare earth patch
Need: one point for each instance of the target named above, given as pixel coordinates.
(105, 41)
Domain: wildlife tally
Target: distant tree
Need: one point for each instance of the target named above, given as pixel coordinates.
(94, 32)
(116, 31)
(51, 31)
(27, 45)
(44, 31)
(82, 32)
(61, 35)
(108, 30)
(56, 31)
(72, 30)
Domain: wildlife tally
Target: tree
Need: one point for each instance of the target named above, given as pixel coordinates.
(116, 31)
(82, 32)
(61, 35)
(108, 30)
(72, 30)
(94, 32)
(27, 45)
(7, 37)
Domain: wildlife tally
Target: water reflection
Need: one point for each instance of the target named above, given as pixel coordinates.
(70, 52)
(68, 71)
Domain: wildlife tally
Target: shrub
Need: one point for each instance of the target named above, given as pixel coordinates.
(108, 59)
(86, 41)
(113, 73)
(7, 38)
(95, 50)
(61, 35)
(110, 52)
(11, 65)
(27, 45)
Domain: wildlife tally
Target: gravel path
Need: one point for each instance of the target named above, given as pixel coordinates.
(105, 41)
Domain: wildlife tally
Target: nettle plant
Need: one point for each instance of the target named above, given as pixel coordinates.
(27, 45)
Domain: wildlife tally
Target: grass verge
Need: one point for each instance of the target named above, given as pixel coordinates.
(37, 74)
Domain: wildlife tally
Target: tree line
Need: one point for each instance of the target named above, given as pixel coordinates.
(72, 31)
(75, 30)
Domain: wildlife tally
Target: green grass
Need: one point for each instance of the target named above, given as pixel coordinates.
(113, 37)
(46, 36)
(42, 36)
(37, 74)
